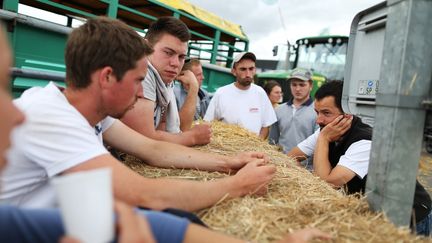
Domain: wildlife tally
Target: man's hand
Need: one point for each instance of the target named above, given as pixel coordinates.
(337, 128)
(305, 235)
(254, 177)
(189, 81)
(131, 226)
(237, 162)
(201, 134)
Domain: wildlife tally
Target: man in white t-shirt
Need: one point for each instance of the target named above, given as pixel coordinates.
(242, 102)
(64, 129)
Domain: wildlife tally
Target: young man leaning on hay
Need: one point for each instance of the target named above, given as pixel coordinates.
(155, 113)
(341, 150)
(105, 64)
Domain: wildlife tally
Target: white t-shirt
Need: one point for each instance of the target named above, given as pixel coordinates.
(249, 108)
(54, 138)
(356, 158)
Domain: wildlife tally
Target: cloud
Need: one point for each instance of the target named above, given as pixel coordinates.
(262, 22)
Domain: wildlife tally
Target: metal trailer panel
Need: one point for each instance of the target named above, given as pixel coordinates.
(388, 83)
(363, 65)
(405, 84)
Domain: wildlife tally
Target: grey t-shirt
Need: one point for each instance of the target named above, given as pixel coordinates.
(293, 126)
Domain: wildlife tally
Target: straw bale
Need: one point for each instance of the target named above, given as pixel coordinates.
(296, 199)
(425, 171)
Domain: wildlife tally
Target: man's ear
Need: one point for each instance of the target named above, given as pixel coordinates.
(233, 72)
(106, 77)
(148, 42)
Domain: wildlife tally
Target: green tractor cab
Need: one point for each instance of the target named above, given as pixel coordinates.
(323, 55)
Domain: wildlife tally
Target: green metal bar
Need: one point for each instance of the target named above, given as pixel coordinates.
(231, 46)
(112, 9)
(11, 5)
(201, 35)
(137, 12)
(200, 49)
(176, 15)
(215, 46)
(210, 51)
(73, 10)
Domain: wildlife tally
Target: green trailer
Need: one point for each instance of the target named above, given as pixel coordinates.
(38, 38)
(324, 55)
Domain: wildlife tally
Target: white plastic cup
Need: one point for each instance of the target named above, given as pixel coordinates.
(86, 204)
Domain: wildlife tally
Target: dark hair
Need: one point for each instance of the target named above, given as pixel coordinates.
(268, 87)
(167, 25)
(189, 63)
(99, 43)
(331, 88)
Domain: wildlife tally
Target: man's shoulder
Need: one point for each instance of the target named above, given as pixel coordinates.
(282, 108)
(224, 89)
(149, 86)
(149, 79)
(40, 98)
(257, 88)
(258, 91)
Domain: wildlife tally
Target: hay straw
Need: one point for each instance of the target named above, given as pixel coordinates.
(296, 199)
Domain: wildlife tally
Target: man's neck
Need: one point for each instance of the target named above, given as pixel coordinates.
(239, 86)
(297, 102)
(86, 103)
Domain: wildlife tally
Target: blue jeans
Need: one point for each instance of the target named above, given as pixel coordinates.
(424, 227)
(46, 226)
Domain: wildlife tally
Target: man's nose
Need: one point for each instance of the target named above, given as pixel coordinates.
(319, 119)
(249, 73)
(140, 93)
(175, 61)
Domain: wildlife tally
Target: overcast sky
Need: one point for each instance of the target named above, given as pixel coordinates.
(271, 22)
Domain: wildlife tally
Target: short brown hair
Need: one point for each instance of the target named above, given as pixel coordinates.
(99, 43)
(167, 25)
(189, 63)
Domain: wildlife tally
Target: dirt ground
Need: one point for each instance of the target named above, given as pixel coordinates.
(425, 171)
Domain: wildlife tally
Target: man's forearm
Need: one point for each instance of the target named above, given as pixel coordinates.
(321, 163)
(264, 133)
(168, 155)
(187, 195)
